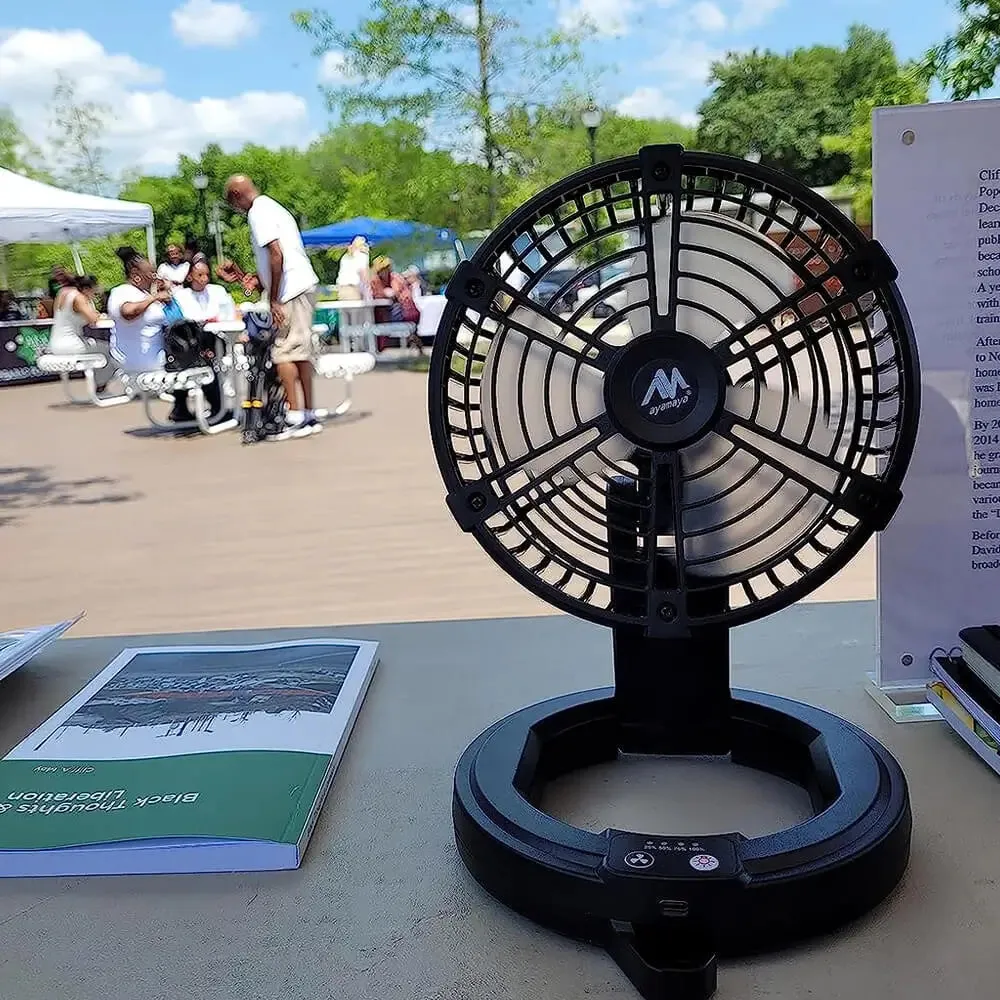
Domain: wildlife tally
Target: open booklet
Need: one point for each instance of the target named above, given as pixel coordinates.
(184, 759)
(19, 645)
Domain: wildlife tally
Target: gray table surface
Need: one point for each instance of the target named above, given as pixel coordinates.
(383, 909)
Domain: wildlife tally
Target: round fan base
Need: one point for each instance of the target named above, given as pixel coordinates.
(665, 907)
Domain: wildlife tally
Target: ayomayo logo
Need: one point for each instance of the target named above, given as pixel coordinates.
(673, 392)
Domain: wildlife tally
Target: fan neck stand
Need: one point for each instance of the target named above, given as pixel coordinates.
(663, 906)
(672, 695)
(672, 698)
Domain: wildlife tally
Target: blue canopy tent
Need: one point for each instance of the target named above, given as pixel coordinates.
(340, 234)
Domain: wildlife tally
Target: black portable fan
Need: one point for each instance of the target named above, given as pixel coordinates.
(709, 435)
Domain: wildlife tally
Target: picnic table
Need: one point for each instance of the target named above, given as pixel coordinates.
(21, 342)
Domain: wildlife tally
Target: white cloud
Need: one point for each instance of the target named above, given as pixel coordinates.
(608, 18)
(149, 127)
(30, 61)
(685, 62)
(754, 13)
(707, 16)
(222, 25)
(653, 102)
(333, 67)
(157, 126)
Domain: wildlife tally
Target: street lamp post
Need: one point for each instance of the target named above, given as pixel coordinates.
(591, 118)
(217, 230)
(200, 183)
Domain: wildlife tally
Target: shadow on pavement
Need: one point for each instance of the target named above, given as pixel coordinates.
(26, 486)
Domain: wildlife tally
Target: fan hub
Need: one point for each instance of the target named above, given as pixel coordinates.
(665, 390)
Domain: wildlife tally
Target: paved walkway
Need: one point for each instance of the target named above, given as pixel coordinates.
(348, 527)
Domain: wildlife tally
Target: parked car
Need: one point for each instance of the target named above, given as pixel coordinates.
(614, 300)
(557, 290)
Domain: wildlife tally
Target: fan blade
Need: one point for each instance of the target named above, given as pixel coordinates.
(738, 511)
(733, 272)
(527, 396)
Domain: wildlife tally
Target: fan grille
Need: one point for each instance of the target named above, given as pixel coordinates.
(837, 348)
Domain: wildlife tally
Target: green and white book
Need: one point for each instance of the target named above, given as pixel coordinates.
(185, 759)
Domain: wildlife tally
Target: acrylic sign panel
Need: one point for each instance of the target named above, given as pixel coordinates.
(937, 212)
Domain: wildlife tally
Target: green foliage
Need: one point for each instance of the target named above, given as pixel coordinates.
(16, 151)
(966, 62)
(459, 64)
(546, 144)
(907, 86)
(786, 105)
(355, 169)
(77, 161)
(386, 171)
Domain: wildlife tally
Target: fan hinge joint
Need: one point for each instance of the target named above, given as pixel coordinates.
(865, 270)
(472, 505)
(662, 167)
(871, 501)
(472, 287)
(666, 615)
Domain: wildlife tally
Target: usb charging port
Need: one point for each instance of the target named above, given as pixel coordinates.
(673, 907)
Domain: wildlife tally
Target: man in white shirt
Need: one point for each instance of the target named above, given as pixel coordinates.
(286, 276)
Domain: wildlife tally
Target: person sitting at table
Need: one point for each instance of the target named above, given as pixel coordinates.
(60, 278)
(353, 271)
(415, 279)
(141, 309)
(10, 311)
(387, 284)
(137, 308)
(202, 301)
(74, 311)
(174, 270)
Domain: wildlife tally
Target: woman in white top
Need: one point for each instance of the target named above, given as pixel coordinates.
(175, 268)
(352, 275)
(137, 310)
(203, 302)
(72, 312)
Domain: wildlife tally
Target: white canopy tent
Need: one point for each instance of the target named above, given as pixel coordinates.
(33, 212)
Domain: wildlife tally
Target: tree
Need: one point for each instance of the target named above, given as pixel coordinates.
(786, 105)
(17, 152)
(22, 263)
(386, 170)
(458, 64)
(546, 144)
(908, 86)
(966, 62)
(80, 161)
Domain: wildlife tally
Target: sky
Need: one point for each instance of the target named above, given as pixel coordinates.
(182, 73)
